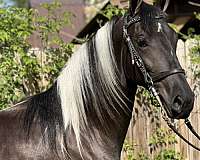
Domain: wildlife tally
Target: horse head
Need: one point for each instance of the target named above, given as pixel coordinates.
(155, 42)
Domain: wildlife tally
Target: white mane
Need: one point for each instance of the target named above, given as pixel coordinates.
(76, 79)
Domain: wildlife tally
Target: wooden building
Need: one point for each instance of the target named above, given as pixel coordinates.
(76, 7)
(180, 12)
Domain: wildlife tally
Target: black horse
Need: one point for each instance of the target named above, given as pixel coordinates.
(86, 113)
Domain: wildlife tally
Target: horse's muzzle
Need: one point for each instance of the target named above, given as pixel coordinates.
(181, 108)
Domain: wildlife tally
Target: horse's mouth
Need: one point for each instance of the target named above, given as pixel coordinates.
(174, 115)
(183, 114)
(166, 108)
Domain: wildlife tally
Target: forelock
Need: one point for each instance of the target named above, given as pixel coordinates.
(149, 14)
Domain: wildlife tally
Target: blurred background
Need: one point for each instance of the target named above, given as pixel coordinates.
(38, 36)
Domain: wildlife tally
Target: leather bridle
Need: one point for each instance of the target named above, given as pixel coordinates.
(149, 80)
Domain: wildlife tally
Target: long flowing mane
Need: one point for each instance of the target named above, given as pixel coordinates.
(87, 111)
(88, 85)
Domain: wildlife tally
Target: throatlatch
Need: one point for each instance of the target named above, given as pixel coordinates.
(149, 81)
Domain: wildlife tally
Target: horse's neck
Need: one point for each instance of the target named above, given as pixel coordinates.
(109, 136)
(125, 117)
(118, 123)
(108, 99)
(123, 61)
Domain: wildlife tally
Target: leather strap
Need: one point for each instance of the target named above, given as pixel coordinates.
(181, 136)
(189, 125)
(158, 77)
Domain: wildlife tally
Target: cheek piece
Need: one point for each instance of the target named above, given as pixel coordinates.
(149, 80)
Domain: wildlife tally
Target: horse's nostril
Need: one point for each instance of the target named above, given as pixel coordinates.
(178, 100)
(178, 103)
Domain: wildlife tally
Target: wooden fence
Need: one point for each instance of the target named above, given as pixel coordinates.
(145, 121)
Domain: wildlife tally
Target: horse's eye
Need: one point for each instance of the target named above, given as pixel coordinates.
(142, 42)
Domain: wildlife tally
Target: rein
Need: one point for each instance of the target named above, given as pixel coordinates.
(149, 80)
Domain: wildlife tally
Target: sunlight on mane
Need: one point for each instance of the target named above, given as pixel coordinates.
(77, 79)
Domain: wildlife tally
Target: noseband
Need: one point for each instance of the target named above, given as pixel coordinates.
(149, 80)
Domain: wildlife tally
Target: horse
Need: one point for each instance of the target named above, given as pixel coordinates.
(85, 114)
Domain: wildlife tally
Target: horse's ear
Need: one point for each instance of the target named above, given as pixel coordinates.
(135, 6)
(162, 4)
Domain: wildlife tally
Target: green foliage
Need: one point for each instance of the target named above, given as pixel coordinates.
(195, 51)
(15, 28)
(22, 71)
(162, 137)
(111, 11)
(165, 154)
(147, 97)
(168, 154)
(197, 15)
(55, 49)
(129, 150)
(174, 27)
(131, 155)
(195, 54)
(143, 156)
